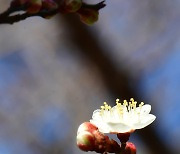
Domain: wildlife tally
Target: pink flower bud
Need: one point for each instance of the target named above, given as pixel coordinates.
(89, 13)
(88, 16)
(73, 5)
(87, 126)
(70, 6)
(130, 148)
(90, 139)
(85, 141)
(34, 6)
(49, 5)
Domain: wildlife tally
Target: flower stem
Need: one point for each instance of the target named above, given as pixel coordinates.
(123, 137)
(123, 146)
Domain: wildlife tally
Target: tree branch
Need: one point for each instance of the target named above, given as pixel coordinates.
(5, 17)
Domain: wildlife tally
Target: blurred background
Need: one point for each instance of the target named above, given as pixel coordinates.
(54, 73)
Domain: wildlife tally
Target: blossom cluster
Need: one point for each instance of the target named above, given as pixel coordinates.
(122, 119)
(88, 12)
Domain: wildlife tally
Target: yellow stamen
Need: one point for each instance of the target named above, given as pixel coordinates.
(117, 100)
(132, 99)
(123, 108)
(125, 103)
(105, 103)
(102, 107)
(142, 103)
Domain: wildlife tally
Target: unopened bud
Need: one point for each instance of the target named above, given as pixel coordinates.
(85, 141)
(89, 13)
(130, 148)
(49, 5)
(88, 16)
(34, 6)
(90, 139)
(70, 6)
(87, 126)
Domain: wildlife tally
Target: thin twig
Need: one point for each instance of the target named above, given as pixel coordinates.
(5, 17)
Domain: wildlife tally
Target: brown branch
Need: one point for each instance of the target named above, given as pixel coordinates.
(97, 6)
(5, 17)
(116, 80)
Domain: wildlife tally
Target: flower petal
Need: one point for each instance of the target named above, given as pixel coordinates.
(103, 127)
(97, 115)
(118, 127)
(145, 109)
(144, 121)
(122, 118)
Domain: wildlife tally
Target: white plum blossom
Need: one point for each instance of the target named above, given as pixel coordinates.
(123, 117)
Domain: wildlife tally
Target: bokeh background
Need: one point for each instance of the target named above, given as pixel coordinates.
(54, 73)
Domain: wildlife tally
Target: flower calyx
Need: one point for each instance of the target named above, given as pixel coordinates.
(90, 139)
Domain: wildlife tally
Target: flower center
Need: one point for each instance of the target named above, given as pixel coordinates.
(126, 107)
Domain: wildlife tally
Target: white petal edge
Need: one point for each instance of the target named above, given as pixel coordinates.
(144, 121)
(145, 109)
(97, 115)
(103, 127)
(119, 127)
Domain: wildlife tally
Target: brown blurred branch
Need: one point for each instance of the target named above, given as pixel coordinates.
(117, 80)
